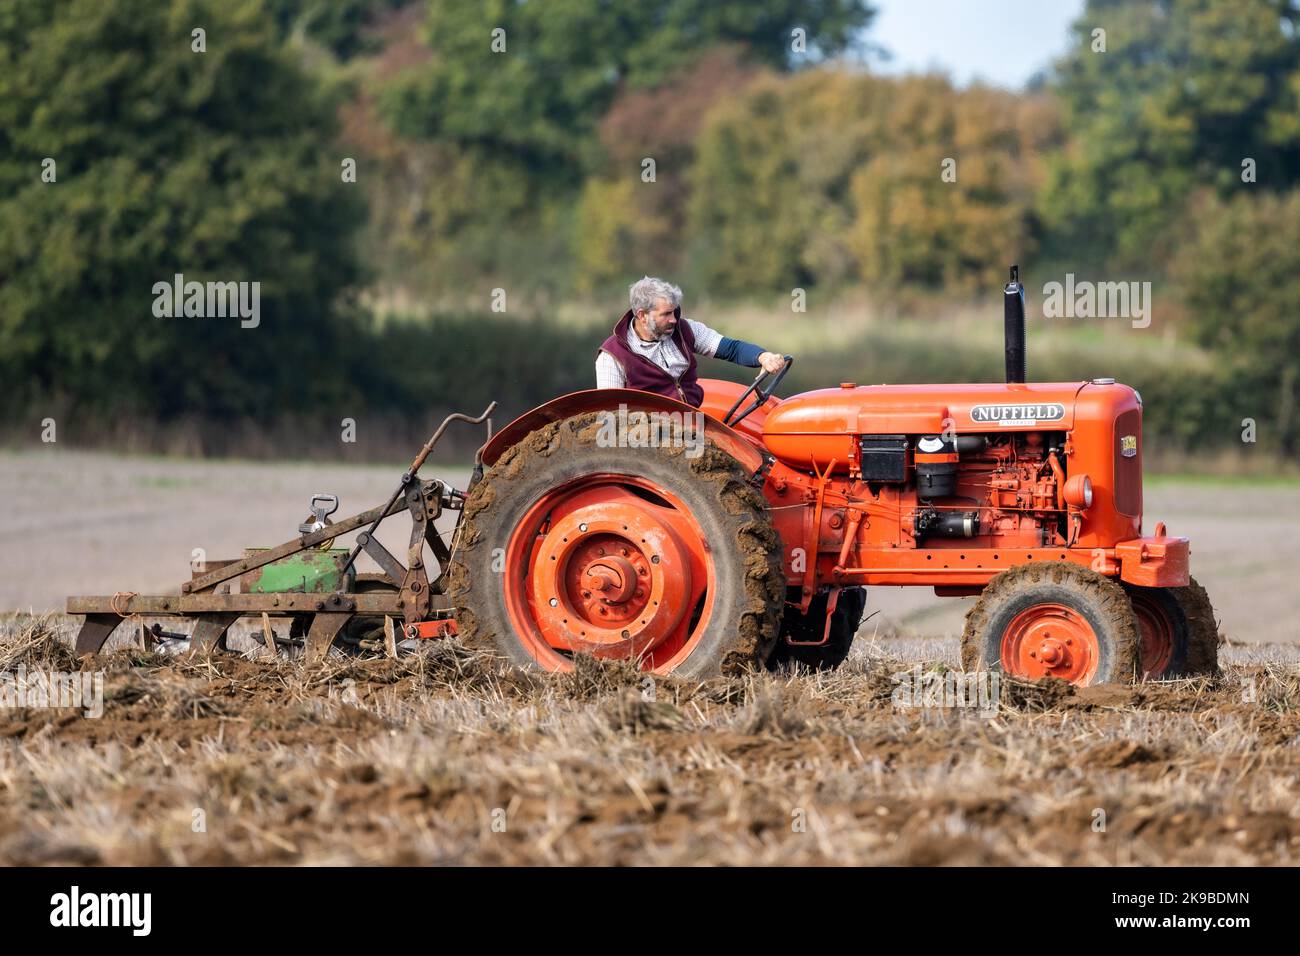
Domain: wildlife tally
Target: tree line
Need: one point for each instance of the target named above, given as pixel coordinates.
(363, 157)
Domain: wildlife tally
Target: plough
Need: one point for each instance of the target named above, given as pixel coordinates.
(306, 582)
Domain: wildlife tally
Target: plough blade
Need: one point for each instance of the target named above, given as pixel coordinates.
(95, 630)
(324, 628)
(210, 632)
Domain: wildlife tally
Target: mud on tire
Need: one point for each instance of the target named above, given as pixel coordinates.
(738, 535)
(1202, 629)
(1095, 602)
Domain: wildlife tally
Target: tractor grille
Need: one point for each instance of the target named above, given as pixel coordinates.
(1128, 463)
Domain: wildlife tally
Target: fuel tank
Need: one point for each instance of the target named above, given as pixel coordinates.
(819, 429)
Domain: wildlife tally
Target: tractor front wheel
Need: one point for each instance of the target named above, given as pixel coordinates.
(663, 555)
(1053, 619)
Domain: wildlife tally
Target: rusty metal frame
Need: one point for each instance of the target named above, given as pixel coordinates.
(413, 597)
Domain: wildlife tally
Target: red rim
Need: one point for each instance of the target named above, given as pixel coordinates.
(1051, 640)
(1157, 635)
(609, 565)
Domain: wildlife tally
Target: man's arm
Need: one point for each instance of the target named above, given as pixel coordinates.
(609, 374)
(710, 342)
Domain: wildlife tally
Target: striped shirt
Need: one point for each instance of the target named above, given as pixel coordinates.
(664, 353)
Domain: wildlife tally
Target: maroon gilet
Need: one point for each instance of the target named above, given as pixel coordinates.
(645, 375)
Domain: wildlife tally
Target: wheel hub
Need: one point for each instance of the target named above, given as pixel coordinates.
(1050, 652)
(616, 577)
(612, 579)
(1051, 640)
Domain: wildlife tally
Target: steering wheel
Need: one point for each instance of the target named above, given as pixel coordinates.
(761, 394)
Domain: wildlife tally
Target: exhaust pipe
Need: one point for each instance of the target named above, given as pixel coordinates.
(1013, 323)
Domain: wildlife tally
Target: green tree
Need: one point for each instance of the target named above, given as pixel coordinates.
(1183, 92)
(1239, 274)
(828, 177)
(216, 165)
(625, 224)
(559, 64)
(341, 26)
(533, 138)
(946, 201)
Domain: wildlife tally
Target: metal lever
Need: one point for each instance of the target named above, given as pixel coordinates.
(410, 474)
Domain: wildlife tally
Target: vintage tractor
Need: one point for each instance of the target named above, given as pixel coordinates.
(624, 524)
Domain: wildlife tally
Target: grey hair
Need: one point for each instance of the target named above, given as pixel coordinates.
(644, 293)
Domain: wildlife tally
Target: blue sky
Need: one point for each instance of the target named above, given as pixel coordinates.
(1000, 41)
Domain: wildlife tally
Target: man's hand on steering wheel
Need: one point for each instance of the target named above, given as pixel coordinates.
(771, 362)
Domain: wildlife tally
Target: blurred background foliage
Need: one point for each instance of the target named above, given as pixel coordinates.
(775, 169)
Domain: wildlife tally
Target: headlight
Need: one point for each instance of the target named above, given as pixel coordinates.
(1078, 491)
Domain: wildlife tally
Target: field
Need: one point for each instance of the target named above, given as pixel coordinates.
(444, 756)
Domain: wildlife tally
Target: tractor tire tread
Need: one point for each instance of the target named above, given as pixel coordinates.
(1202, 629)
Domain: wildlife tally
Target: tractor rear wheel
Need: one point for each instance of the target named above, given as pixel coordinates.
(1179, 636)
(665, 556)
(812, 626)
(1053, 619)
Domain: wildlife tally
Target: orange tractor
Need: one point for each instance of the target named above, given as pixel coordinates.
(623, 524)
(757, 549)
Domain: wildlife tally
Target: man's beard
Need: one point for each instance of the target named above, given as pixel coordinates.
(658, 332)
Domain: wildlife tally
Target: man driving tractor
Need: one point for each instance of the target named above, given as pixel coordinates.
(653, 349)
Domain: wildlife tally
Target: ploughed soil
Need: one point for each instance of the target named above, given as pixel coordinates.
(448, 756)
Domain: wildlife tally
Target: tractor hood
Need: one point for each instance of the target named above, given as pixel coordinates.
(817, 425)
(921, 409)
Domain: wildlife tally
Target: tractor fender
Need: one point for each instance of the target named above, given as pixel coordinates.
(728, 439)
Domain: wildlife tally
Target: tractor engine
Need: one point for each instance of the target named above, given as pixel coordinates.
(962, 467)
(1004, 487)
